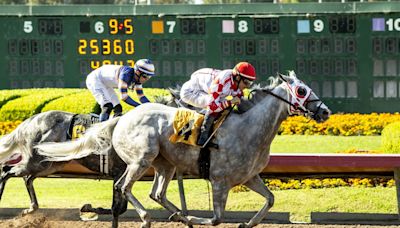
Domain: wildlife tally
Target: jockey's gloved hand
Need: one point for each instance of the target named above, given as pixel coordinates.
(235, 101)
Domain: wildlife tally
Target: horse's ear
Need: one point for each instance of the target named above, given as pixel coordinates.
(292, 74)
(284, 77)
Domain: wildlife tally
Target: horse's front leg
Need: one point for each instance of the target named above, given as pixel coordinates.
(134, 172)
(164, 172)
(119, 205)
(256, 184)
(220, 192)
(32, 195)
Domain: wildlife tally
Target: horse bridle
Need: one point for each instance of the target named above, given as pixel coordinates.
(304, 110)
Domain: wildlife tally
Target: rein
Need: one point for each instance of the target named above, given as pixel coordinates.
(305, 111)
(287, 102)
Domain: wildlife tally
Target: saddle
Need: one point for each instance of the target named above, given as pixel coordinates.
(186, 125)
(79, 124)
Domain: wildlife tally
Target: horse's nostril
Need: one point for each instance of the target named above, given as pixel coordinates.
(325, 113)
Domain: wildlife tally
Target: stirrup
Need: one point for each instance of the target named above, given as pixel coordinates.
(211, 145)
(208, 144)
(199, 143)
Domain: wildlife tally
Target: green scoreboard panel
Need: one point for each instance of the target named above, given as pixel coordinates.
(348, 53)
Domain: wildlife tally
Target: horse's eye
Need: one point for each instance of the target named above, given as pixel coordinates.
(301, 91)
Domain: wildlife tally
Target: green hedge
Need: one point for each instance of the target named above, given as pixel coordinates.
(80, 102)
(8, 95)
(21, 104)
(24, 107)
(391, 138)
(84, 102)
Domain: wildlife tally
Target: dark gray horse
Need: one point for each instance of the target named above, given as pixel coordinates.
(141, 136)
(18, 158)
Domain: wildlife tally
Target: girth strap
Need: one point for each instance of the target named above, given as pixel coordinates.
(204, 163)
(103, 163)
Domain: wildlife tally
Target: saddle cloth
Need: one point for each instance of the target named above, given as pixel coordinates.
(77, 128)
(79, 124)
(186, 125)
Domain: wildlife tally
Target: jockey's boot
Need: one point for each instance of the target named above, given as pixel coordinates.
(105, 112)
(206, 129)
(104, 117)
(117, 110)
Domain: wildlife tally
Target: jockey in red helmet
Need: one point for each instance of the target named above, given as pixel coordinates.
(208, 88)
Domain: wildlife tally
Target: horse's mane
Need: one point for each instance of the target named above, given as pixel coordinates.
(166, 100)
(256, 94)
(162, 99)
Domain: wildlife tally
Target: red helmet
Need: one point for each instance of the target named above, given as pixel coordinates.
(246, 70)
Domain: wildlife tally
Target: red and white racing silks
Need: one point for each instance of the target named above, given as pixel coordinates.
(210, 88)
(221, 87)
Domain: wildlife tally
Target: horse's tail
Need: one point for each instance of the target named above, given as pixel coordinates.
(13, 142)
(97, 140)
(7, 145)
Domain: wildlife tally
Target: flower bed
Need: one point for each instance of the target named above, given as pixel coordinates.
(339, 124)
(314, 183)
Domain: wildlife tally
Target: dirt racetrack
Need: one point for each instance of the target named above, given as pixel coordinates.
(40, 221)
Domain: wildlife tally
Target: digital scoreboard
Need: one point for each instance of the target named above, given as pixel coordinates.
(348, 53)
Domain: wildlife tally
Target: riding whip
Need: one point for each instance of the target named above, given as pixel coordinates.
(219, 125)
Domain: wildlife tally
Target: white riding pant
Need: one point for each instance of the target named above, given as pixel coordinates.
(194, 95)
(102, 94)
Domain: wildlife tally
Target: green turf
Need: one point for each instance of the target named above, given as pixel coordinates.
(324, 144)
(73, 193)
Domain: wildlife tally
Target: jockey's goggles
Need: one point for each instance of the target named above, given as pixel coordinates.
(247, 82)
(146, 76)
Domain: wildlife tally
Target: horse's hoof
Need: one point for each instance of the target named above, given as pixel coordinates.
(25, 211)
(145, 225)
(175, 217)
(86, 208)
(243, 225)
(28, 211)
(179, 217)
(88, 216)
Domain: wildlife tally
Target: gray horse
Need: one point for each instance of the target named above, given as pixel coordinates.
(140, 138)
(16, 149)
(18, 158)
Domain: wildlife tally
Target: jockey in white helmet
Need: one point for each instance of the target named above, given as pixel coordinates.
(102, 81)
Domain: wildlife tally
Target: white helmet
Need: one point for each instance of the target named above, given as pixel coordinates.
(145, 66)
